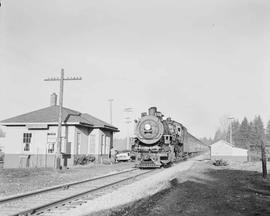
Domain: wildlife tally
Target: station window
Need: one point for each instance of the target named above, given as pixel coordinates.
(26, 141)
(51, 141)
(51, 148)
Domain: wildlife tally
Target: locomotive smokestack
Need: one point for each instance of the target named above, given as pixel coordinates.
(152, 111)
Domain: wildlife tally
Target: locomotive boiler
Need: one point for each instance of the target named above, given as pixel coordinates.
(159, 141)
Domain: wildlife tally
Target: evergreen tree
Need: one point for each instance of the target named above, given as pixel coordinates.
(243, 134)
(258, 123)
(257, 132)
(246, 134)
(252, 134)
(267, 132)
(235, 132)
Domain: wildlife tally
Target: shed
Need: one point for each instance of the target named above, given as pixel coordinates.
(227, 151)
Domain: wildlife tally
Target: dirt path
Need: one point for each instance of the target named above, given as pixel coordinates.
(209, 191)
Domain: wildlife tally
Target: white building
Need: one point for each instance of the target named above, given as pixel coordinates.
(227, 151)
(31, 138)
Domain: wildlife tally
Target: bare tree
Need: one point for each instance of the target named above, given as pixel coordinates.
(224, 123)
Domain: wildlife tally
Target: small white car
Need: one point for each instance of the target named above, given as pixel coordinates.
(123, 156)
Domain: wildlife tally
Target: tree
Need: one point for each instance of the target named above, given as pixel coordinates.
(219, 135)
(243, 134)
(259, 128)
(252, 134)
(267, 132)
(257, 133)
(224, 131)
(207, 141)
(260, 144)
(235, 132)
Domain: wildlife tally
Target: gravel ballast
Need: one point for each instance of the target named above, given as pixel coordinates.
(133, 192)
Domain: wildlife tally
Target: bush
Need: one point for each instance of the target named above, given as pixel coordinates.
(90, 158)
(107, 161)
(220, 163)
(83, 159)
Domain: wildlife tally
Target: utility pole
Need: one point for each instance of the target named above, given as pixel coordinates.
(59, 131)
(128, 121)
(110, 101)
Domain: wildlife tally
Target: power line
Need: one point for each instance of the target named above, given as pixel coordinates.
(128, 121)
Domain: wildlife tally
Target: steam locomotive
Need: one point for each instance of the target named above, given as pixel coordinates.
(159, 142)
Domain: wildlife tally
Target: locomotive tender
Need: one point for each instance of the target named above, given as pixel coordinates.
(159, 142)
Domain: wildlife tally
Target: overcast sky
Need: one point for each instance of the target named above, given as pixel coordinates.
(197, 61)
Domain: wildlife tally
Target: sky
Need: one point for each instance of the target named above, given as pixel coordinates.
(196, 61)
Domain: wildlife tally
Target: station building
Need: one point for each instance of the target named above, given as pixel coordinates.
(227, 151)
(31, 138)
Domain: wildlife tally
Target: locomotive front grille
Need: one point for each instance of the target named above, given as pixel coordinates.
(148, 164)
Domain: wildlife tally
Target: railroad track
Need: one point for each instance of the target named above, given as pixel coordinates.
(63, 197)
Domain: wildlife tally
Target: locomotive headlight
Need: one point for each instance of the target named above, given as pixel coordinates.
(147, 126)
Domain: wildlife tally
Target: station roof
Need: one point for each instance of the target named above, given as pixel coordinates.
(223, 142)
(49, 115)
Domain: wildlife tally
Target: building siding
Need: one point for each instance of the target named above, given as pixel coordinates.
(93, 142)
(83, 133)
(106, 146)
(37, 156)
(224, 150)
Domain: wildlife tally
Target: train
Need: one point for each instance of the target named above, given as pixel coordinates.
(159, 142)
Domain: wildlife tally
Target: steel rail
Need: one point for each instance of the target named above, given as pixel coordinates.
(23, 195)
(64, 200)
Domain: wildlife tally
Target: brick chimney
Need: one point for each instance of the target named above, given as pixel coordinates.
(53, 101)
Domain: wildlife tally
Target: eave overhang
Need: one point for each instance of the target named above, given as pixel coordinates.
(41, 124)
